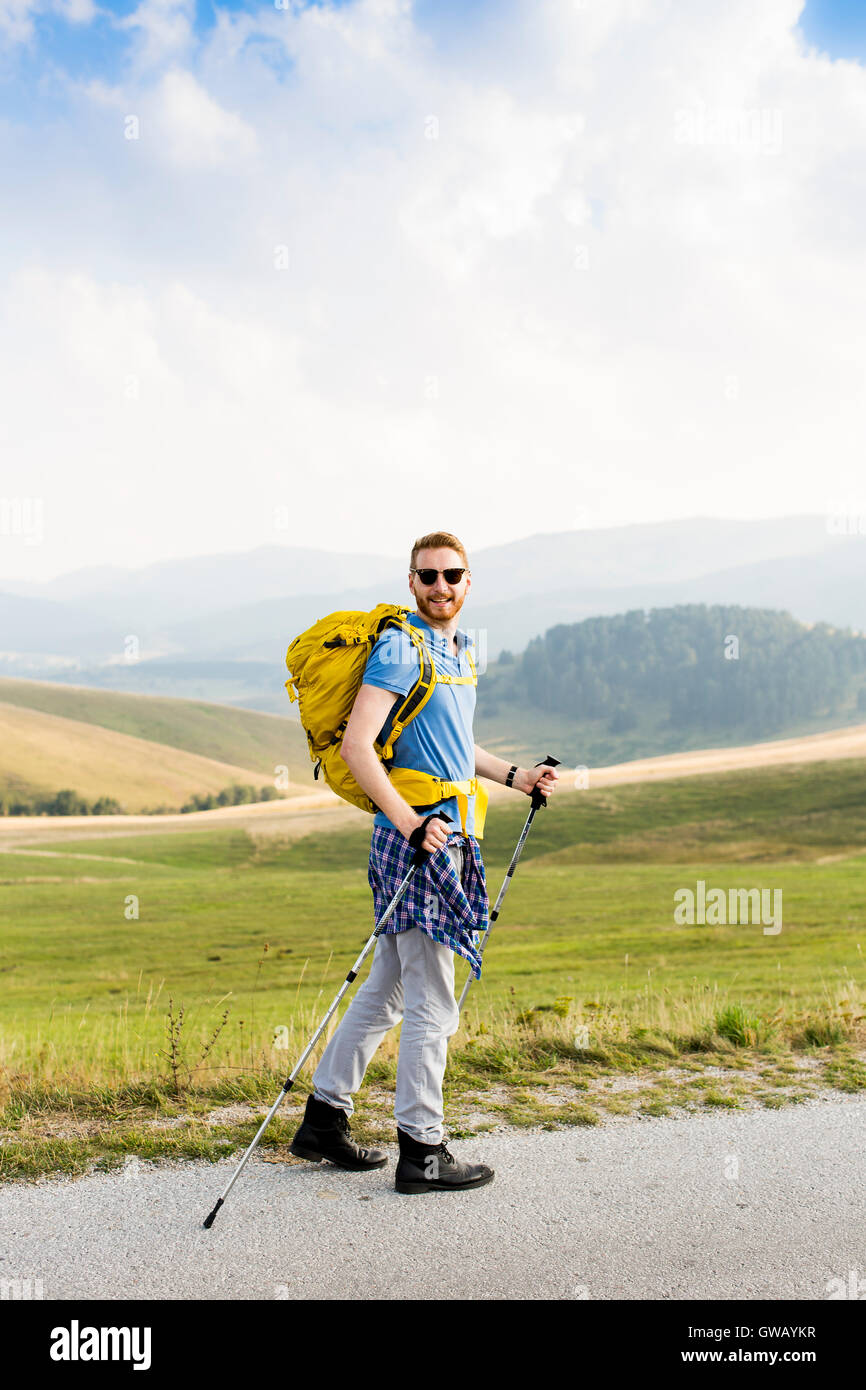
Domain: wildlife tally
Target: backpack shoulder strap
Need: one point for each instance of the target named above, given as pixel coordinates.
(404, 710)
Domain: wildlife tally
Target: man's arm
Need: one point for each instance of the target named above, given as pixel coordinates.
(369, 712)
(525, 778)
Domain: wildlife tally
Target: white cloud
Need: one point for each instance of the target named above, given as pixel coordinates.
(17, 17)
(606, 267)
(195, 129)
(76, 11)
(16, 20)
(163, 30)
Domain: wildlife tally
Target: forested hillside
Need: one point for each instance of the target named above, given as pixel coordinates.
(714, 670)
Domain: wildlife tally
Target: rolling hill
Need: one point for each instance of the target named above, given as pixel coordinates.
(244, 737)
(143, 750)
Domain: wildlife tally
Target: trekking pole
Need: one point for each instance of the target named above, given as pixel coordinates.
(537, 800)
(419, 858)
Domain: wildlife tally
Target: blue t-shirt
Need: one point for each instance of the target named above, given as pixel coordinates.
(439, 739)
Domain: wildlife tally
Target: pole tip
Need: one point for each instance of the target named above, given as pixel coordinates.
(208, 1222)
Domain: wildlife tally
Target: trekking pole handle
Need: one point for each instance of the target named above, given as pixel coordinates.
(417, 836)
(537, 798)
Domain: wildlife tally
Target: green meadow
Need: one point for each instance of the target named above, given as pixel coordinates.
(147, 978)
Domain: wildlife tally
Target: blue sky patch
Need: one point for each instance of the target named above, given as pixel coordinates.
(837, 27)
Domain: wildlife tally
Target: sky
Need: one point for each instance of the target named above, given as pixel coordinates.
(339, 274)
(837, 27)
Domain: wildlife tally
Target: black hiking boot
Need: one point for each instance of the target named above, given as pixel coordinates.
(431, 1168)
(324, 1133)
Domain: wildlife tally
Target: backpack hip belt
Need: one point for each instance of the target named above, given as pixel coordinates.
(422, 789)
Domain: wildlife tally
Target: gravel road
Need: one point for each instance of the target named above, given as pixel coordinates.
(764, 1204)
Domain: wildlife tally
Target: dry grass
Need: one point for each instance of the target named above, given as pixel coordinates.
(47, 752)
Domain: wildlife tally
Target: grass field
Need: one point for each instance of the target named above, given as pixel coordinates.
(150, 978)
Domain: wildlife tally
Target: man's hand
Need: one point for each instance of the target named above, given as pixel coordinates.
(436, 836)
(526, 779)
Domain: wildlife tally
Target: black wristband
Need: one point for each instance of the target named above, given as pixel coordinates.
(510, 778)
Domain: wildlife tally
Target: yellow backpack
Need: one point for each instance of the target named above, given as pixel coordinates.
(326, 667)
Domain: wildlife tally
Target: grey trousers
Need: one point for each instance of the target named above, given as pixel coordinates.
(412, 977)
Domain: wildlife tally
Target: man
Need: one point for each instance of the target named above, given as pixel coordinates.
(412, 975)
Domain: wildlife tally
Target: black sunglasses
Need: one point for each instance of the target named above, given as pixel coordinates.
(428, 577)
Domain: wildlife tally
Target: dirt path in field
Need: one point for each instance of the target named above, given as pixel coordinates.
(812, 748)
(301, 815)
(321, 810)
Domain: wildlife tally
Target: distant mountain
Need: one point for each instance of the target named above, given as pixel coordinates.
(41, 625)
(245, 608)
(141, 599)
(823, 586)
(262, 631)
(828, 587)
(628, 556)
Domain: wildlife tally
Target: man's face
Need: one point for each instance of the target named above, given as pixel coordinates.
(439, 601)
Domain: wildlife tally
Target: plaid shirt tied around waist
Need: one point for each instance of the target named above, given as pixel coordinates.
(448, 911)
